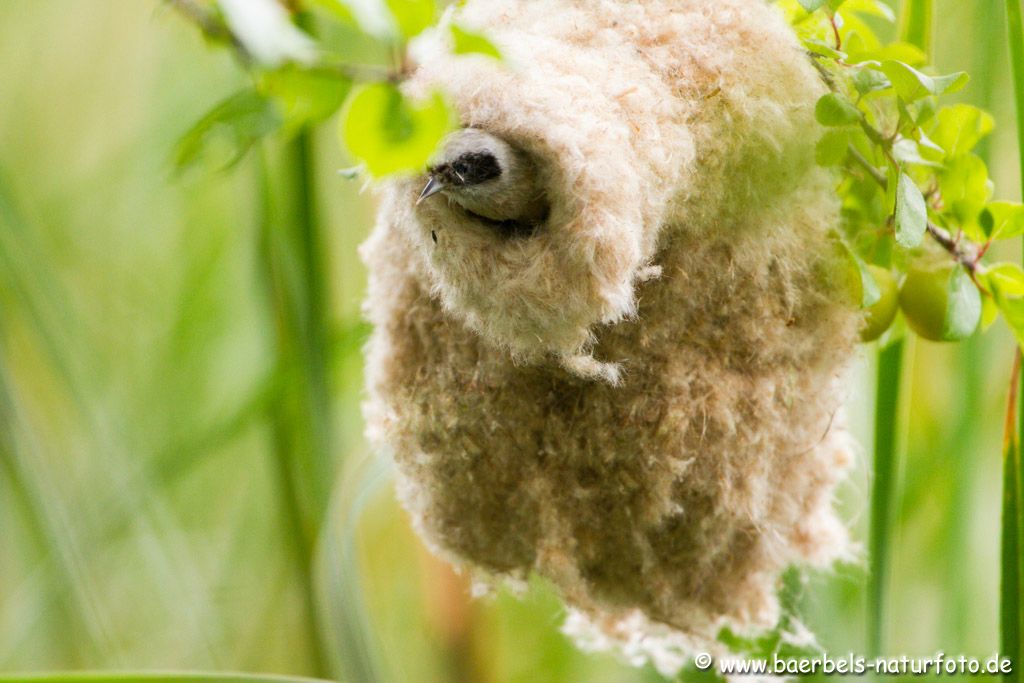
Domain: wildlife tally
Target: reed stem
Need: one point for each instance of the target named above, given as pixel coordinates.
(301, 406)
(884, 486)
(1012, 545)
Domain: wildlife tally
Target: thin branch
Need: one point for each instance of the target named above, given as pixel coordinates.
(835, 31)
(211, 26)
(214, 28)
(362, 73)
(966, 256)
(877, 175)
(826, 77)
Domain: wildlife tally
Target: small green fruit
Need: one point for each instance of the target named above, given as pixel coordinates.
(940, 302)
(879, 315)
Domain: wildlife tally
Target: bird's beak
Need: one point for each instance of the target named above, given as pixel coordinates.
(433, 187)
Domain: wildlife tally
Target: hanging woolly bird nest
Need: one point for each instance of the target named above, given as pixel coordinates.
(637, 400)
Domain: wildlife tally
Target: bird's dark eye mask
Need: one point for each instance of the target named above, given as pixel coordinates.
(472, 168)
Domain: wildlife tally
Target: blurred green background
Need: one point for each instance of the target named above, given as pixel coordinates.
(180, 378)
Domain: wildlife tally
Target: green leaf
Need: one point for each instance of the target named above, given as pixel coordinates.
(305, 95)
(855, 44)
(986, 222)
(965, 189)
(1011, 307)
(859, 38)
(1006, 220)
(911, 85)
(834, 110)
(930, 147)
(911, 213)
(925, 111)
(413, 16)
(812, 5)
(900, 52)
(337, 10)
(906, 151)
(958, 128)
(1013, 313)
(470, 42)
(832, 147)
(950, 83)
(228, 130)
(989, 312)
(906, 118)
(868, 80)
(963, 310)
(820, 47)
(390, 134)
(1007, 277)
(874, 8)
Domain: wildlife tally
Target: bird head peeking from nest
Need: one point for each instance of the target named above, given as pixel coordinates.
(493, 181)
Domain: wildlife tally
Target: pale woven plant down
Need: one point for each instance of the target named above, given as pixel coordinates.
(637, 399)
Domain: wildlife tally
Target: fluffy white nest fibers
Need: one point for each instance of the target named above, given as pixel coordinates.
(637, 400)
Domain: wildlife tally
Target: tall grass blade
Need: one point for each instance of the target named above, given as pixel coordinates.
(972, 356)
(1010, 611)
(150, 677)
(300, 407)
(40, 305)
(915, 28)
(339, 582)
(37, 297)
(883, 486)
(917, 23)
(43, 530)
(1009, 585)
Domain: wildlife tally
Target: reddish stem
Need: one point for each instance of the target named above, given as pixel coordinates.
(835, 31)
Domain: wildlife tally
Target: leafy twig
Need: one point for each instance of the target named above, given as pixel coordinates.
(212, 26)
(966, 256)
(216, 29)
(875, 174)
(363, 73)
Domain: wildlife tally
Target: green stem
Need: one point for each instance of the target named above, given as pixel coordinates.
(355, 646)
(149, 677)
(26, 279)
(915, 28)
(1010, 612)
(883, 486)
(916, 22)
(972, 355)
(76, 633)
(1015, 30)
(309, 250)
(300, 408)
(1009, 584)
